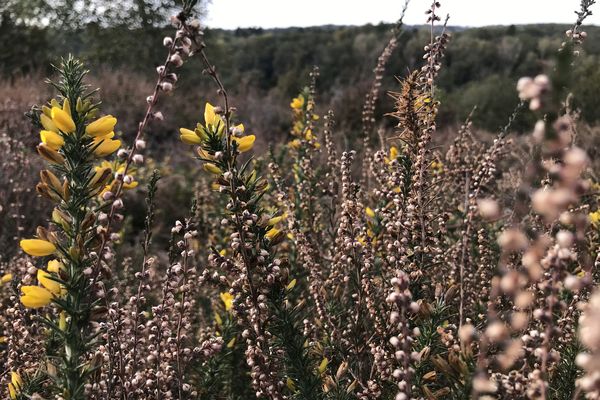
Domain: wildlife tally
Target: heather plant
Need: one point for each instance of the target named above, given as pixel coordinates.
(411, 268)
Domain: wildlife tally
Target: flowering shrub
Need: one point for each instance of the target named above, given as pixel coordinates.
(405, 270)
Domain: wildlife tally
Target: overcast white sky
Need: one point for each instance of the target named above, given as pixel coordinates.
(230, 14)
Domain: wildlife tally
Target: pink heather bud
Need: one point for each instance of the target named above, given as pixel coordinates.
(535, 104)
(176, 60)
(118, 204)
(149, 99)
(543, 81)
(573, 283)
(185, 50)
(128, 179)
(122, 153)
(160, 69)
(138, 159)
(488, 208)
(172, 77)
(166, 86)
(186, 41)
(102, 217)
(107, 195)
(114, 237)
(167, 41)
(159, 116)
(140, 144)
(195, 24)
(564, 238)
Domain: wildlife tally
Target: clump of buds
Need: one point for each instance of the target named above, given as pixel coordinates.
(533, 89)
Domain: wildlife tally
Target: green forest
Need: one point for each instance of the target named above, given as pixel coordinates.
(268, 67)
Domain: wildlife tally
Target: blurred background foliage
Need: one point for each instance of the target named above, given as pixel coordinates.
(264, 68)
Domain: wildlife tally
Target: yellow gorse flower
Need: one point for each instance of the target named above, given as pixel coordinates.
(41, 296)
(12, 392)
(16, 380)
(15, 385)
(245, 143)
(62, 119)
(36, 296)
(50, 284)
(6, 278)
(102, 126)
(46, 121)
(595, 217)
(227, 299)
(105, 145)
(211, 119)
(276, 220)
(37, 247)
(393, 155)
(55, 266)
(271, 233)
(297, 103)
(52, 139)
(437, 167)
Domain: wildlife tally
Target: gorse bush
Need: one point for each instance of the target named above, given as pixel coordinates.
(413, 268)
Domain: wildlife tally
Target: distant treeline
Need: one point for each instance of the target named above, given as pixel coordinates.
(481, 66)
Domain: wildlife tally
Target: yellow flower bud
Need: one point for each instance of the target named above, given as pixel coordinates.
(66, 107)
(37, 247)
(276, 220)
(62, 321)
(12, 392)
(189, 137)
(370, 213)
(6, 278)
(292, 284)
(323, 365)
(212, 168)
